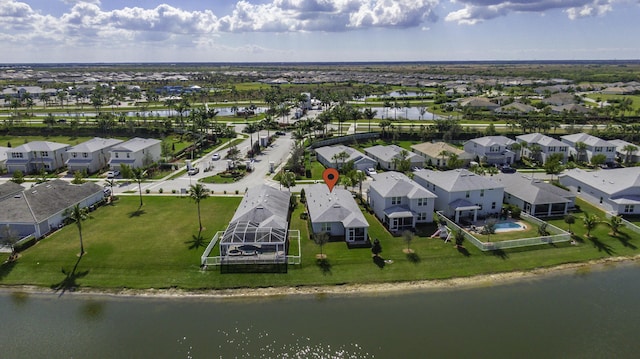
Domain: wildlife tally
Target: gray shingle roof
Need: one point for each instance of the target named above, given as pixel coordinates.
(396, 184)
(264, 205)
(335, 206)
(329, 151)
(608, 181)
(457, 180)
(39, 146)
(388, 153)
(135, 144)
(540, 139)
(587, 139)
(95, 144)
(533, 191)
(493, 140)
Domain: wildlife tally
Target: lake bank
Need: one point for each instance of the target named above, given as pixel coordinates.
(367, 289)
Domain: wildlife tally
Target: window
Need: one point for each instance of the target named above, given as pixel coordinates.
(598, 149)
(396, 200)
(422, 201)
(493, 205)
(422, 216)
(85, 155)
(628, 208)
(16, 154)
(563, 149)
(127, 154)
(467, 194)
(482, 193)
(600, 199)
(579, 189)
(552, 149)
(74, 154)
(115, 154)
(44, 154)
(326, 227)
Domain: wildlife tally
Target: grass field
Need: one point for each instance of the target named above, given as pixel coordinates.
(157, 247)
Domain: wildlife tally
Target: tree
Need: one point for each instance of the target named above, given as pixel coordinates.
(288, 179)
(321, 238)
(569, 219)
(590, 222)
(9, 237)
(78, 177)
(443, 154)
(78, 214)
(629, 150)
(17, 177)
(615, 223)
(359, 177)
(197, 193)
(581, 151)
(598, 160)
(459, 238)
(553, 165)
(376, 248)
(489, 228)
(408, 236)
(401, 161)
(138, 175)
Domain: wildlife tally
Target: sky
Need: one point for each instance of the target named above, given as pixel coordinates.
(86, 31)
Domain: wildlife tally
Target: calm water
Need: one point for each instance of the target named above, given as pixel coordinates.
(588, 314)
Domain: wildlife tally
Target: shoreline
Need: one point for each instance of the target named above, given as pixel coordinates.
(390, 288)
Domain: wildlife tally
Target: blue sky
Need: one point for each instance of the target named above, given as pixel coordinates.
(317, 30)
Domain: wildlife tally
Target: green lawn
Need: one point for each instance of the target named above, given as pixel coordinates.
(155, 248)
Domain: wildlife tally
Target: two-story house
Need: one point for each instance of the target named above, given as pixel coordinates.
(135, 153)
(389, 156)
(90, 156)
(540, 147)
(592, 146)
(399, 202)
(461, 193)
(336, 213)
(35, 156)
(492, 149)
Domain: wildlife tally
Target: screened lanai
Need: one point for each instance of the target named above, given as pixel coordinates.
(244, 241)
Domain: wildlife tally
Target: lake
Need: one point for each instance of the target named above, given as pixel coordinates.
(584, 313)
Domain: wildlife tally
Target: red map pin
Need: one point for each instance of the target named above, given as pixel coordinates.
(330, 176)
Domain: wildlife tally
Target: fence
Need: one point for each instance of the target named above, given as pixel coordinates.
(631, 226)
(556, 235)
(345, 139)
(208, 260)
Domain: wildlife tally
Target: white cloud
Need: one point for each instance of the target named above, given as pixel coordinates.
(475, 11)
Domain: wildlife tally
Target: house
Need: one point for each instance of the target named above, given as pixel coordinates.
(40, 209)
(328, 156)
(258, 230)
(546, 145)
(90, 156)
(570, 108)
(534, 196)
(461, 193)
(634, 156)
(136, 153)
(615, 190)
(559, 99)
(3, 158)
(433, 153)
(336, 213)
(494, 149)
(388, 156)
(515, 108)
(37, 155)
(399, 202)
(479, 103)
(593, 146)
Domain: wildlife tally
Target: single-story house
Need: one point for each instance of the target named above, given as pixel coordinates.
(329, 157)
(91, 155)
(37, 155)
(336, 213)
(258, 230)
(399, 202)
(462, 193)
(136, 153)
(40, 209)
(433, 153)
(615, 190)
(515, 108)
(387, 156)
(534, 196)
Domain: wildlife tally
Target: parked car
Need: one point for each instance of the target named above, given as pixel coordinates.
(280, 133)
(370, 171)
(113, 174)
(215, 157)
(193, 171)
(507, 169)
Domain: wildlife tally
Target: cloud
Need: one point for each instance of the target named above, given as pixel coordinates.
(475, 11)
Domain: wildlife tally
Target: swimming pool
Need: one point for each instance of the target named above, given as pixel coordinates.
(509, 226)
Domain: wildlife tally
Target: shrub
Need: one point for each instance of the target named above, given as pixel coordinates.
(147, 190)
(160, 190)
(173, 191)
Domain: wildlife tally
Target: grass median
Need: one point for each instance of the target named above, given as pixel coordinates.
(156, 246)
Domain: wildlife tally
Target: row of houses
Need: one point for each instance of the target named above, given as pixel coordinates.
(90, 156)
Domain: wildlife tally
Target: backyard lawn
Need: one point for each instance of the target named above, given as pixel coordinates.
(157, 247)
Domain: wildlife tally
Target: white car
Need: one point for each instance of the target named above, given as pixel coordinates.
(370, 171)
(215, 157)
(113, 174)
(193, 171)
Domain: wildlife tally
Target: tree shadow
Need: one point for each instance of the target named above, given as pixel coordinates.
(602, 247)
(462, 250)
(196, 241)
(500, 253)
(137, 213)
(625, 240)
(324, 266)
(414, 258)
(69, 282)
(6, 268)
(379, 261)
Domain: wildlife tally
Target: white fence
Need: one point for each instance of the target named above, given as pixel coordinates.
(631, 226)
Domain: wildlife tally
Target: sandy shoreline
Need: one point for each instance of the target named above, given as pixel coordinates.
(346, 289)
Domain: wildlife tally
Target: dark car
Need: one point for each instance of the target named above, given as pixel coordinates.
(507, 169)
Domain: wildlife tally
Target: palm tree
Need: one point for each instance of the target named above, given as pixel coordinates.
(321, 238)
(569, 219)
(78, 214)
(443, 154)
(615, 223)
(581, 149)
(138, 175)
(590, 221)
(197, 193)
(629, 150)
(358, 178)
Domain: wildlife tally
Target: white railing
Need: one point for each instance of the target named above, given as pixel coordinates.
(631, 226)
(205, 259)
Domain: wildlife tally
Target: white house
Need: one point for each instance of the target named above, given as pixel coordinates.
(387, 156)
(336, 213)
(614, 190)
(40, 209)
(594, 146)
(399, 202)
(3, 158)
(327, 155)
(534, 196)
(461, 193)
(136, 153)
(634, 156)
(37, 155)
(495, 149)
(91, 155)
(547, 146)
